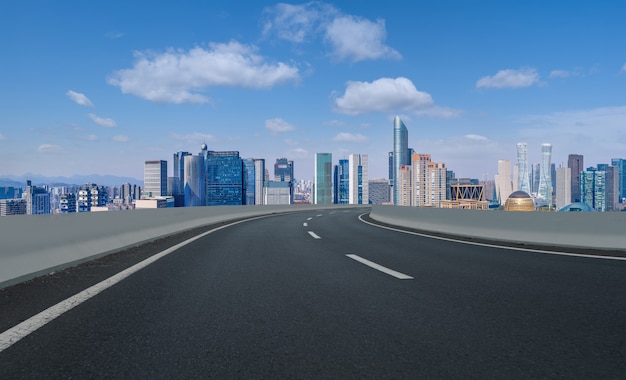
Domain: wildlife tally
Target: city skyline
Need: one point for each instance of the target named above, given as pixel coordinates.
(98, 89)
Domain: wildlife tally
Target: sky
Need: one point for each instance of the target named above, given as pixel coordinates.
(100, 87)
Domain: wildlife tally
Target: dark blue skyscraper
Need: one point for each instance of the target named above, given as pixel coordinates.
(249, 182)
(400, 154)
(342, 183)
(224, 179)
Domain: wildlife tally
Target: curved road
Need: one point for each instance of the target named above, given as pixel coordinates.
(301, 295)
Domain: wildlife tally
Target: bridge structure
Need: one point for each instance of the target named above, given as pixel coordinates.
(306, 291)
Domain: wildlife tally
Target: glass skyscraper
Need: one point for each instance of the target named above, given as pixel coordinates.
(400, 154)
(358, 179)
(523, 176)
(575, 162)
(249, 176)
(323, 188)
(259, 179)
(194, 183)
(592, 188)
(545, 176)
(342, 183)
(224, 179)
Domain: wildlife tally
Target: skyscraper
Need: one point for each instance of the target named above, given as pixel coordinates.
(323, 188)
(575, 162)
(563, 187)
(155, 178)
(341, 189)
(620, 164)
(283, 172)
(419, 179)
(249, 181)
(259, 177)
(545, 177)
(504, 185)
(523, 176)
(400, 154)
(194, 181)
(593, 188)
(359, 179)
(179, 170)
(224, 179)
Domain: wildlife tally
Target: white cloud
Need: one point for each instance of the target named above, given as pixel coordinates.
(2, 137)
(194, 138)
(278, 125)
(350, 138)
(103, 122)
(79, 98)
(298, 153)
(49, 148)
(624, 68)
(120, 138)
(91, 137)
(357, 39)
(559, 74)
(382, 95)
(476, 137)
(510, 79)
(178, 76)
(297, 23)
(350, 37)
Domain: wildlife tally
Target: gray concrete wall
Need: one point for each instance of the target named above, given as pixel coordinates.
(599, 230)
(32, 245)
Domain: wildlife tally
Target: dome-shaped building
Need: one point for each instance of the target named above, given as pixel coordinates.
(577, 207)
(519, 201)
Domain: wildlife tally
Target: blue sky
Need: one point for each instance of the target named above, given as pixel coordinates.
(95, 87)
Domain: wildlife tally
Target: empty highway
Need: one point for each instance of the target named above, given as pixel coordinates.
(321, 294)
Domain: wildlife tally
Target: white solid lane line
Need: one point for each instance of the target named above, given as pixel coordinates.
(19, 331)
(305, 224)
(315, 236)
(381, 268)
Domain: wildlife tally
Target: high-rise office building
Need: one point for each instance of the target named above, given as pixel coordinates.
(400, 154)
(259, 179)
(37, 199)
(341, 189)
(545, 178)
(224, 179)
(155, 179)
(534, 176)
(575, 162)
(593, 188)
(612, 187)
(504, 185)
(323, 188)
(523, 176)
(179, 170)
(563, 187)
(620, 164)
(390, 162)
(194, 181)
(283, 172)
(358, 179)
(419, 179)
(249, 181)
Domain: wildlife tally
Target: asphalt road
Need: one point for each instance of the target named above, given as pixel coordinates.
(278, 297)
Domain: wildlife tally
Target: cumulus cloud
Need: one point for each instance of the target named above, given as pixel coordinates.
(49, 148)
(278, 125)
(350, 37)
(178, 76)
(79, 98)
(350, 138)
(382, 95)
(194, 138)
(509, 78)
(120, 138)
(103, 122)
(357, 39)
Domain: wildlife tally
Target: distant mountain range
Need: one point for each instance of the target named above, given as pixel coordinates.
(39, 180)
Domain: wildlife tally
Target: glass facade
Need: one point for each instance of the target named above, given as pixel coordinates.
(593, 188)
(342, 184)
(194, 184)
(359, 179)
(400, 154)
(259, 179)
(323, 188)
(523, 176)
(224, 179)
(249, 181)
(575, 162)
(545, 176)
